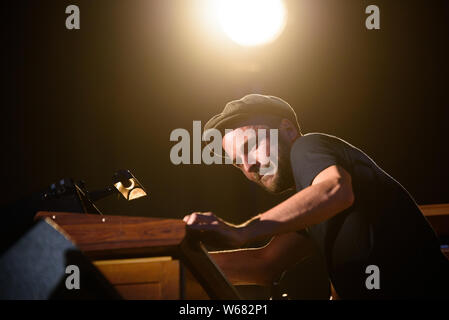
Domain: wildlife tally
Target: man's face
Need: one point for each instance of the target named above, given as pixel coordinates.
(252, 151)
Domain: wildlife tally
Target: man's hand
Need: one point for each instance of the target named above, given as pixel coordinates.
(214, 231)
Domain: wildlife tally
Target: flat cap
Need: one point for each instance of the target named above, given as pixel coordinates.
(249, 107)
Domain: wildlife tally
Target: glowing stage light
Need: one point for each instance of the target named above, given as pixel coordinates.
(251, 22)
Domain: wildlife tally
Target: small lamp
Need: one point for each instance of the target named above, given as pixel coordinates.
(128, 186)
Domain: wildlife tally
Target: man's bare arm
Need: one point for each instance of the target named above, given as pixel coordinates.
(330, 193)
(264, 265)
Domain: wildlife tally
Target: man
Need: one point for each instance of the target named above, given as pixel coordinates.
(375, 241)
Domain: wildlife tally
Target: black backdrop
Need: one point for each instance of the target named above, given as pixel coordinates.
(83, 103)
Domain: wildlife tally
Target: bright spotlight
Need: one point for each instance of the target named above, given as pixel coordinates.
(251, 22)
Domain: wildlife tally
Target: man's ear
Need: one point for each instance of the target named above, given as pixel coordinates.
(288, 129)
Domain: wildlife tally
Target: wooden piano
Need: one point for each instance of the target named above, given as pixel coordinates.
(145, 258)
(151, 258)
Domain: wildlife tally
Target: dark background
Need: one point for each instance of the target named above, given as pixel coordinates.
(84, 103)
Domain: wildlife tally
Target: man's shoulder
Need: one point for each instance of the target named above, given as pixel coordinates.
(320, 136)
(311, 154)
(316, 139)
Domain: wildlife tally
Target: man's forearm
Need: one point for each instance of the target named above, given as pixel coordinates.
(262, 266)
(330, 193)
(243, 267)
(308, 207)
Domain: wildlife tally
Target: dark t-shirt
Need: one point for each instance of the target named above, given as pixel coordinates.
(384, 227)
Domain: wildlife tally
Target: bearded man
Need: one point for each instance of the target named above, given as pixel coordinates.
(359, 217)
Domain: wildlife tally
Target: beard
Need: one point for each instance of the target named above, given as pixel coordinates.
(282, 180)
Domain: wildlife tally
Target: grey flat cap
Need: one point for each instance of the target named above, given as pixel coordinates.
(251, 106)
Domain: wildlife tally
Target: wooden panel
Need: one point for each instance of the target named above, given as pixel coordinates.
(146, 278)
(134, 270)
(435, 209)
(140, 291)
(196, 258)
(438, 217)
(118, 236)
(192, 288)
